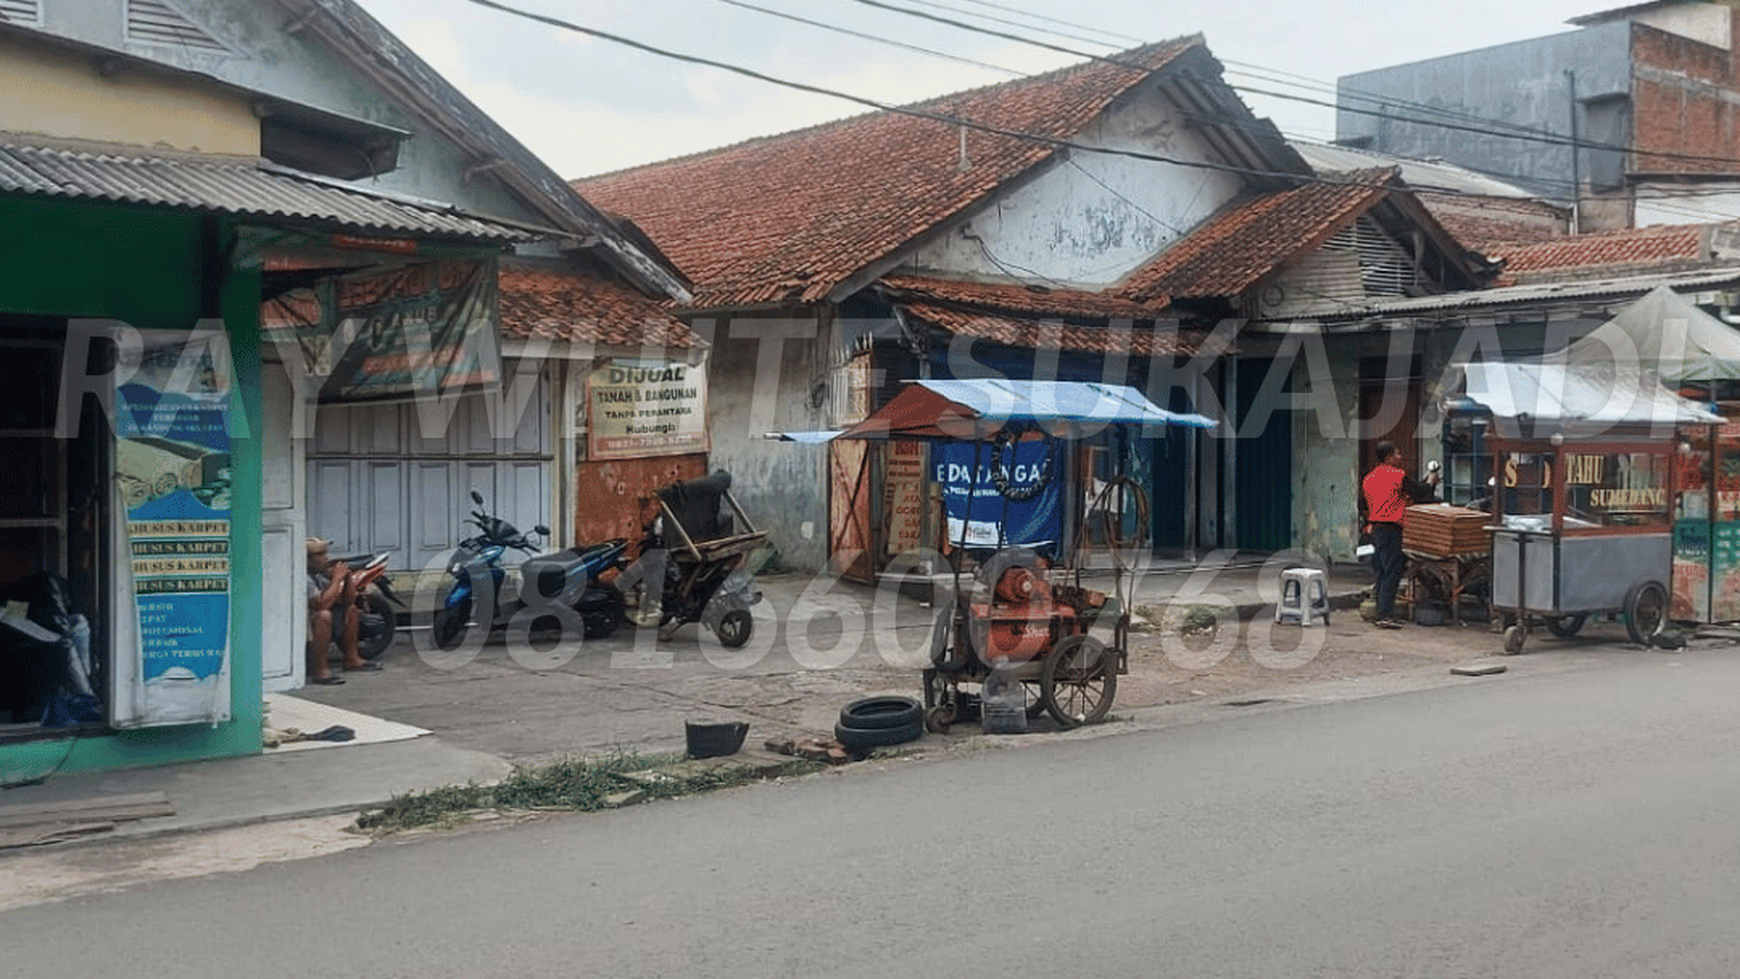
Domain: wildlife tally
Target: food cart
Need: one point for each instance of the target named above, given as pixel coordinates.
(1584, 457)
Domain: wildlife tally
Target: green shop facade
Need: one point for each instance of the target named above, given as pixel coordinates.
(131, 461)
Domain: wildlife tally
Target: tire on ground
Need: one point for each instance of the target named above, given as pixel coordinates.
(878, 737)
(878, 712)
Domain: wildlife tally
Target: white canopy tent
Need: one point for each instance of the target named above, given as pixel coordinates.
(1665, 333)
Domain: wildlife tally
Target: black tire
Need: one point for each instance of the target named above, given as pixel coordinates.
(376, 644)
(1566, 626)
(1646, 608)
(601, 622)
(1078, 680)
(874, 712)
(450, 625)
(735, 628)
(860, 738)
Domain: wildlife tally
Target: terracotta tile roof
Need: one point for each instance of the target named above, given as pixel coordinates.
(1655, 246)
(1019, 299)
(1236, 248)
(572, 306)
(789, 217)
(1488, 224)
(1030, 334)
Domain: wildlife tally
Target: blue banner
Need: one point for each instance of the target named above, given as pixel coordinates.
(172, 468)
(969, 474)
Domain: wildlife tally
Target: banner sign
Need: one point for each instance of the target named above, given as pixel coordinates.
(967, 473)
(391, 334)
(172, 469)
(646, 410)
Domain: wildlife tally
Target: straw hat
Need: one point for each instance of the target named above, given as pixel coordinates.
(317, 545)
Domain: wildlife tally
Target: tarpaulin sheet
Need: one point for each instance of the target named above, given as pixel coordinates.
(965, 470)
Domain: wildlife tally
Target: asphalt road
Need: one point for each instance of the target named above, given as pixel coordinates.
(1567, 822)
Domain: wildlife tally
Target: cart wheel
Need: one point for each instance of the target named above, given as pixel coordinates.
(1566, 626)
(735, 628)
(938, 719)
(1035, 698)
(1077, 681)
(1513, 640)
(1645, 611)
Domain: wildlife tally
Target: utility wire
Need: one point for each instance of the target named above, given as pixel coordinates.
(863, 35)
(1054, 20)
(1051, 141)
(1542, 135)
(1038, 138)
(1015, 23)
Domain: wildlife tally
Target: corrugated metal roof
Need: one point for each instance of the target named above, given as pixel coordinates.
(239, 186)
(1542, 292)
(1418, 174)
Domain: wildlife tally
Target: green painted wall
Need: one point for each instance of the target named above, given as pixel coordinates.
(144, 267)
(1326, 488)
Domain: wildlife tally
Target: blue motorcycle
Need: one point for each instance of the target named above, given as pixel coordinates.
(474, 593)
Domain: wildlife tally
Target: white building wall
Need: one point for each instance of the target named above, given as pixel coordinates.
(1095, 217)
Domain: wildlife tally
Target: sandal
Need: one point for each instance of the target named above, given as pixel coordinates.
(326, 681)
(366, 666)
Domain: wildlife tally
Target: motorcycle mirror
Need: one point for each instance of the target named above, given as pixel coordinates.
(541, 530)
(477, 497)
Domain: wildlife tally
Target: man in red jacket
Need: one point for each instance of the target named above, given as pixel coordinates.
(1385, 496)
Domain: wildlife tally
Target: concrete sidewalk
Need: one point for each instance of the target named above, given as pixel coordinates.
(819, 645)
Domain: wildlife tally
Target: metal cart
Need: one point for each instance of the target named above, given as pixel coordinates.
(1584, 464)
(1024, 611)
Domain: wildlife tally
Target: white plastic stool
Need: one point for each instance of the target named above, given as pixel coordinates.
(1304, 597)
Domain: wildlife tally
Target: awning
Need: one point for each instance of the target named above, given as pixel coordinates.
(1666, 333)
(242, 186)
(981, 407)
(1586, 400)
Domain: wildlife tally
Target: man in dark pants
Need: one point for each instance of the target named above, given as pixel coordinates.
(1385, 495)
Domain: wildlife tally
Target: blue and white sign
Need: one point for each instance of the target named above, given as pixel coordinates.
(172, 470)
(968, 473)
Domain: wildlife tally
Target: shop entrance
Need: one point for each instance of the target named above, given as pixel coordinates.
(55, 522)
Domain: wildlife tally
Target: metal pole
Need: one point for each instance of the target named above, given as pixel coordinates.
(1576, 160)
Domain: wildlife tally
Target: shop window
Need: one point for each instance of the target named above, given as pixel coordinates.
(54, 513)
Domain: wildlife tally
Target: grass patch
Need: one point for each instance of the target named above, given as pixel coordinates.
(1200, 619)
(576, 784)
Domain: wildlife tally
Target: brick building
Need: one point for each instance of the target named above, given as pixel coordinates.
(1638, 108)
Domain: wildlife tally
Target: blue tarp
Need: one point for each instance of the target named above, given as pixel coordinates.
(978, 408)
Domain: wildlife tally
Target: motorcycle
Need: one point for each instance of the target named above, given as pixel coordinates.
(377, 618)
(560, 578)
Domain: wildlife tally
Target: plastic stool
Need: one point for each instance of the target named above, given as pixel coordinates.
(1304, 597)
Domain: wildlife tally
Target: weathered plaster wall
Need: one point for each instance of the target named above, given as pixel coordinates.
(760, 384)
(1325, 460)
(63, 95)
(1093, 218)
(1522, 83)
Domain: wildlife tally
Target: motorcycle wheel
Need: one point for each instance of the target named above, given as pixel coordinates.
(601, 622)
(372, 644)
(449, 625)
(735, 628)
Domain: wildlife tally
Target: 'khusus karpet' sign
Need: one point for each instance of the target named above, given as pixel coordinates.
(644, 410)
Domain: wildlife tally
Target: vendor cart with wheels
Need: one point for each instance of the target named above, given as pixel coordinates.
(1024, 609)
(1582, 509)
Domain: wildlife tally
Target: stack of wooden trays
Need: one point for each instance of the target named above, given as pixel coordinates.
(1442, 530)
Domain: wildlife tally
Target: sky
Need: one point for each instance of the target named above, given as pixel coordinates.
(588, 105)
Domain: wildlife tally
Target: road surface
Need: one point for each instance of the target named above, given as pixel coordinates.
(1574, 822)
